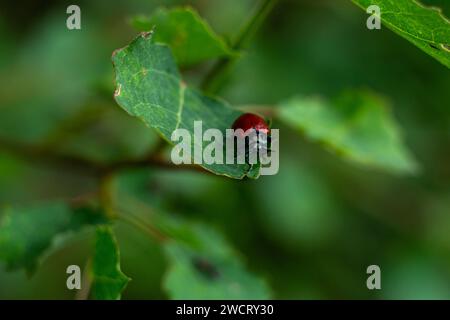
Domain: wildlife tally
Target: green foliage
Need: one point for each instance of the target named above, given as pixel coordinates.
(150, 87)
(108, 281)
(190, 37)
(35, 104)
(27, 233)
(206, 267)
(118, 136)
(425, 27)
(358, 126)
(202, 263)
(305, 229)
(413, 274)
(309, 218)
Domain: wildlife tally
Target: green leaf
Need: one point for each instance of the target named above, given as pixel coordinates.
(190, 37)
(108, 281)
(204, 266)
(357, 126)
(27, 233)
(425, 27)
(150, 87)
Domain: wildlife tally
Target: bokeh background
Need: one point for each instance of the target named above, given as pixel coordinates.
(310, 231)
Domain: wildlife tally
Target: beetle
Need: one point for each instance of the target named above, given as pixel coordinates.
(248, 121)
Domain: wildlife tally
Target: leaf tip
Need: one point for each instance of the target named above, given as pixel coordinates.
(147, 34)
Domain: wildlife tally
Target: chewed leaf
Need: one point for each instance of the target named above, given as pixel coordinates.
(358, 126)
(207, 268)
(108, 281)
(26, 233)
(190, 37)
(425, 27)
(149, 86)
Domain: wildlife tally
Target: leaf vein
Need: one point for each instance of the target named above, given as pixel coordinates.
(180, 105)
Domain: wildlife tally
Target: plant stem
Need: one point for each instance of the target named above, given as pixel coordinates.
(73, 125)
(215, 79)
(84, 166)
(106, 195)
(143, 226)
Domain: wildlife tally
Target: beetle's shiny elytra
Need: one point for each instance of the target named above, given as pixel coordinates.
(249, 121)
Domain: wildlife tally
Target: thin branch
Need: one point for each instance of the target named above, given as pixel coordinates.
(48, 157)
(214, 80)
(141, 225)
(154, 161)
(73, 125)
(51, 158)
(106, 195)
(114, 212)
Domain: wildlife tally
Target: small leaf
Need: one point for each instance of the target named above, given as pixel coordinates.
(108, 281)
(206, 267)
(358, 126)
(425, 27)
(149, 86)
(190, 37)
(27, 233)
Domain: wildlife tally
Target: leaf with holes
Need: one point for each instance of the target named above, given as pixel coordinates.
(358, 126)
(27, 233)
(425, 27)
(149, 86)
(108, 281)
(204, 266)
(190, 37)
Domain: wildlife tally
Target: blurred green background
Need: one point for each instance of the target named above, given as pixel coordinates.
(311, 230)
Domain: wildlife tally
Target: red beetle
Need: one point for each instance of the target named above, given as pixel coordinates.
(251, 121)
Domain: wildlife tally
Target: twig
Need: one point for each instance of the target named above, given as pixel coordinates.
(85, 166)
(114, 212)
(154, 161)
(50, 157)
(215, 78)
(73, 125)
(106, 195)
(143, 226)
